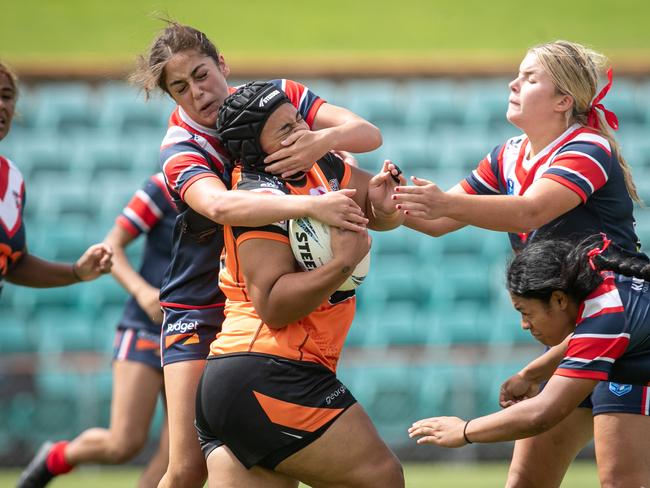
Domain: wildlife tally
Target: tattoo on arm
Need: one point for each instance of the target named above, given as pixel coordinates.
(345, 270)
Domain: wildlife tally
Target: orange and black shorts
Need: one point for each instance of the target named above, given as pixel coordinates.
(265, 408)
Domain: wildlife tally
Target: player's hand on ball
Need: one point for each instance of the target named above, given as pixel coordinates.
(424, 200)
(94, 262)
(441, 431)
(349, 248)
(336, 208)
(515, 389)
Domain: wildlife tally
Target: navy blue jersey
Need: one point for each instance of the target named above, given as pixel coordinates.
(189, 153)
(12, 230)
(612, 336)
(581, 160)
(150, 212)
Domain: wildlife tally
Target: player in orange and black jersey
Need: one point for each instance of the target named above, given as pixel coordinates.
(270, 409)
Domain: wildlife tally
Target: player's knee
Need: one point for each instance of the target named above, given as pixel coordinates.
(387, 473)
(520, 479)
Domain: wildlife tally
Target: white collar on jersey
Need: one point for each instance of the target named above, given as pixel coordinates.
(530, 162)
(198, 127)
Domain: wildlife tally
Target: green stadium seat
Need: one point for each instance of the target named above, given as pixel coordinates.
(375, 100)
(432, 104)
(435, 391)
(62, 330)
(123, 110)
(15, 336)
(395, 324)
(389, 393)
(64, 107)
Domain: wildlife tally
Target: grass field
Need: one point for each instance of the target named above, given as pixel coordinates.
(581, 475)
(99, 31)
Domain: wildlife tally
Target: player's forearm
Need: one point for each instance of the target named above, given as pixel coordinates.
(505, 213)
(296, 295)
(38, 273)
(250, 209)
(542, 368)
(124, 273)
(380, 221)
(355, 135)
(525, 419)
(434, 228)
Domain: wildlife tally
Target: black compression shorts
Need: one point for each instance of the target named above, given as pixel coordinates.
(266, 408)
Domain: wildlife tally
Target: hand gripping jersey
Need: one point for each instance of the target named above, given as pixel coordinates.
(12, 230)
(581, 160)
(189, 153)
(317, 337)
(612, 336)
(150, 212)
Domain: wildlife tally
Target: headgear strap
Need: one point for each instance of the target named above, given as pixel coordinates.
(598, 250)
(610, 117)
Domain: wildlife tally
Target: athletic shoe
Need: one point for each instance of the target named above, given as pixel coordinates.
(36, 474)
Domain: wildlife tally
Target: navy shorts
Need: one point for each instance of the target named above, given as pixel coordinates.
(187, 333)
(265, 408)
(610, 397)
(138, 345)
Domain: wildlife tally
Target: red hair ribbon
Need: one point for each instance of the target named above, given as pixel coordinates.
(610, 117)
(598, 250)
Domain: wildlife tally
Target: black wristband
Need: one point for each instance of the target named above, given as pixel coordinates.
(465, 432)
(74, 272)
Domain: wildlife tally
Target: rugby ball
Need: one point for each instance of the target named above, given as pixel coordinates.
(310, 243)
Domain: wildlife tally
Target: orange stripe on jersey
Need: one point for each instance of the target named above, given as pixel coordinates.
(296, 416)
(269, 236)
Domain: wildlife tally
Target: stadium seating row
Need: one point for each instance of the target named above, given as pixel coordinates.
(63, 401)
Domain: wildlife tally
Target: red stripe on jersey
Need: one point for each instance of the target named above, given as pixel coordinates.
(484, 170)
(467, 187)
(143, 210)
(126, 224)
(568, 184)
(585, 166)
(193, 180)
(293, 91)
(582, 374)
(4, 177)
(311, 115)
(604, 311)
(177, 164)
(590, 348)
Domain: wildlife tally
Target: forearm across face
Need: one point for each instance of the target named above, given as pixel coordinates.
(346, 131)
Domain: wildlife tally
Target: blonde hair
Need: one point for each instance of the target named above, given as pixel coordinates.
(175, 38)
(575, 70)
(13, 79)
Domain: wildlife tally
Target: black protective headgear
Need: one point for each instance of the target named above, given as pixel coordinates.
(241, 120)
